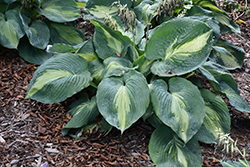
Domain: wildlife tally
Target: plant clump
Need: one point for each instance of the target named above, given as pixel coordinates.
(149, 75)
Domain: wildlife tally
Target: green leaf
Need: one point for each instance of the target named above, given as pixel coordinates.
(87, 51)
(227, 25)
(166, 149)
(9, 1)
(60, 33)
(221, 56)
(132, 53)
(227, 55)
(154, 121)
(11, 29)
(198, 13)
(3, 7)
(180, 45)
(216, 117)
(59, 78)
(145, 10)
(59, 10)
(144, 65)
(208, 4)
(83, 114)
(38, 32)
(116, 67)
(123, 100)
(83, 98)
(96, 68)
(31, 54)
(62, 48)
(225, 84)
(179, 105)
(99, 9)
(108, 42)
(230, 163)
(136, 38)
(81, 4)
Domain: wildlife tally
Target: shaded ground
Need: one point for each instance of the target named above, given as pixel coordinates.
(30, 132)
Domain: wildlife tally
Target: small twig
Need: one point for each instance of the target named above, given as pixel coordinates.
(44, 119)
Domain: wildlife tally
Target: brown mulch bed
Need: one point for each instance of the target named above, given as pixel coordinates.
(30, 132)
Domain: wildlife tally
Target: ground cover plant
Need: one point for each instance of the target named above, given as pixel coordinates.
(30, 25)
(149, 67)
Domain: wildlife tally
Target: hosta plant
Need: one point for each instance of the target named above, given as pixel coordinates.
(150, 67)
(30, 25)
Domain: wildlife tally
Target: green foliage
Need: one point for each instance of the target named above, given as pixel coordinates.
(29, 26)
(148, 71)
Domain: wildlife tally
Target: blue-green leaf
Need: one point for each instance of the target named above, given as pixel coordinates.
(60, 33)
(216, 117)
(32, 54)
(123, 100)
(227, 25)
(87, 51)
(83, 114)
(37, 33)
(180, 45)
(11, 29)
(59, 78)
(166, 149)
(59, 10)
(108, 42)
(227, 55)
(179, 105)
(116, 66)
(99, 9)
(136, 38)
(225, 84)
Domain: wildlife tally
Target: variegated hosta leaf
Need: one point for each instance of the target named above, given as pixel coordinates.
(227, 55)
(99, 9)
(60, 33)
(81, 4)
(180, 45)
(59, 78)
(62, 48)
(83, 114)
(221, 56)
(10, 29)
(225, 84)
(60, 11)
(96, 68)
(145, 10)
(123, 100)
(208, 4)
(38, 32)
(226, 23)
(166, 149)
(132, 53)
(108, 42)
(179, 105)
(116, 66)
(87, 51)
(206, 16)
(136, 38)
(144, 65)
(31, 54)
(216, 117)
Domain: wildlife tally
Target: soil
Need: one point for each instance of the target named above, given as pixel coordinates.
(30, 132)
